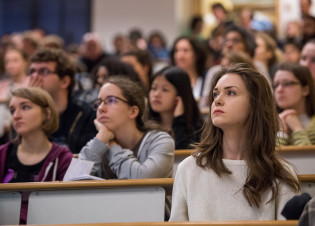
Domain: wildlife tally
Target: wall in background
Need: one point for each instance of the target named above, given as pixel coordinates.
(111, 17)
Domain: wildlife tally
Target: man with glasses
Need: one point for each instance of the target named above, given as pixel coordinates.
(53, 71)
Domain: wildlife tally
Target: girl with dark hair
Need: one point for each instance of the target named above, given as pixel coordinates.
(189, 55)
(172, 104)
(235, 173)
(132, 149)
(295, 96)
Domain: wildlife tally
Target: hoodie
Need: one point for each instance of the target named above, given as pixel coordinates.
(53, 169)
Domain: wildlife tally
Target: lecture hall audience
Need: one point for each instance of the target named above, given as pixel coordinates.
(135, 128)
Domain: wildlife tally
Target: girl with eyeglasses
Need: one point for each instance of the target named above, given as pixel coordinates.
(235, 173)
(124, 146)
(295, 97)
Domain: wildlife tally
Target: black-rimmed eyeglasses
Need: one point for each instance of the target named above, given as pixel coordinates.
(108, 101)
(41, 71)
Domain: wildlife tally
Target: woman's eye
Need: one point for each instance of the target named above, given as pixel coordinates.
(215, 95)
(25, 107)
(231, 93)
(12, 110)
(112, 100)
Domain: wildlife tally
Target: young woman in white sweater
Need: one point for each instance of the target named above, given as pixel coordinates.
(235, 173)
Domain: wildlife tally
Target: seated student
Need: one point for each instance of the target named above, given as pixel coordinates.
(110, 66)
(141, 61)
(295, 96)
(190, 55)
(131, 149)
(31, 157)
(235, 173)
(172, 104)
(53, 71)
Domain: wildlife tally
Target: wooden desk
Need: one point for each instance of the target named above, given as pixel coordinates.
(207, 223)
(134, 200)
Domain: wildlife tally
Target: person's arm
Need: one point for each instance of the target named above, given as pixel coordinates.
(282, 138)
(94, 151)
(157, 148)
(301, 138)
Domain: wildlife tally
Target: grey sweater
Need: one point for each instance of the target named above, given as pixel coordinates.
(155, 157)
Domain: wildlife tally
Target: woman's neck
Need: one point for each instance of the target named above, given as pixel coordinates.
(301, 107)
(35, 143)
(167, 120)
(234, 144)
(128, 138)
(193, 76)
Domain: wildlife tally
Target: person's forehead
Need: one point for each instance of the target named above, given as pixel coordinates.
(49, 64)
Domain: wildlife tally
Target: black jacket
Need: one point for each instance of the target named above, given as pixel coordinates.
(76, 126)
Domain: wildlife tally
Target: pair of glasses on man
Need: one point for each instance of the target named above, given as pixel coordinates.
(232, 40)
(108, 101)
(285, 84)
(41, 71)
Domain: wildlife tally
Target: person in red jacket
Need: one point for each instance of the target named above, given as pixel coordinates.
(31, 156)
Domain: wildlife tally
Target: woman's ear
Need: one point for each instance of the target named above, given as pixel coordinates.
(47, 114)
(134, 112)
(306, 90)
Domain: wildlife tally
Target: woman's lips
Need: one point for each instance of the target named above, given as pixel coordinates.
(218, 112)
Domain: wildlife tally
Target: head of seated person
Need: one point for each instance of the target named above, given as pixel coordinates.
(171, 101)
(295, 95)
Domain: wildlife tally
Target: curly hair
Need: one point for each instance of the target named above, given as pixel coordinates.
(64, 66)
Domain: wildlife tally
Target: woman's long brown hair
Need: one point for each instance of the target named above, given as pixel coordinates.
(265, 167)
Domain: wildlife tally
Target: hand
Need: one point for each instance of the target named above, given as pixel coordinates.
(35, 81)
(179, 107)
(293, 123)
(104, 134)
(290, 121)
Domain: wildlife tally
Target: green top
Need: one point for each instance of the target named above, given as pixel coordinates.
(300, 138)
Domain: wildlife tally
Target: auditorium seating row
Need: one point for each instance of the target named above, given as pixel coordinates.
(134, 200)
(141, 200)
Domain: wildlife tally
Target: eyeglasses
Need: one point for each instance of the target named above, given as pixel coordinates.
(41, 71)
(108, 101)
(285, 84)
(233, 40)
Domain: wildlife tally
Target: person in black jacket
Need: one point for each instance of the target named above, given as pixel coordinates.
(172, 104)
(52, 70)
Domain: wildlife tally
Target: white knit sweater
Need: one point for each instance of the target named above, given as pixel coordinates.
(200, 195)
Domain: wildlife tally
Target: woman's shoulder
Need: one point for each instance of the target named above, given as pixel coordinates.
(58, 150)
(153, 134)
(188, 163)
